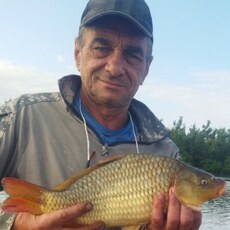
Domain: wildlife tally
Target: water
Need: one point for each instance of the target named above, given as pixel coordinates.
(216, 213)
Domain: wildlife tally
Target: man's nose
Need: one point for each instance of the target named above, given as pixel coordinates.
(115, 64)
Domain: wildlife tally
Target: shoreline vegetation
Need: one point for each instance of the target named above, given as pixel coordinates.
(206, 148)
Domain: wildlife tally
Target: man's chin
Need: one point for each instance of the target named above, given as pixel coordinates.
(113, 103)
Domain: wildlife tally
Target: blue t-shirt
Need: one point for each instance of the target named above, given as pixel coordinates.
(106, 135)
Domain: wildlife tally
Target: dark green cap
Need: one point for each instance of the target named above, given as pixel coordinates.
(135, 11)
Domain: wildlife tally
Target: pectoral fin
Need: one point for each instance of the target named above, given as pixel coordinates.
(133, 227)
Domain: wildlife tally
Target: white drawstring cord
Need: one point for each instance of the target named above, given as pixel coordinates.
(87, 135)
(134, 133)
(86, 132)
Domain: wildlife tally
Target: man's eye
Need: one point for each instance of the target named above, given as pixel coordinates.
(101, 48)
(101, 51)
(133, 56)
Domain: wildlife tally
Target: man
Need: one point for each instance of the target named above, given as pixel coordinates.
(45, 138)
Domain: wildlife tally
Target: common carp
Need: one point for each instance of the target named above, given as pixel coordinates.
(121, 189)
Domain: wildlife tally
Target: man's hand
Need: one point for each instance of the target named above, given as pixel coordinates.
(55, 220)
(179, 217)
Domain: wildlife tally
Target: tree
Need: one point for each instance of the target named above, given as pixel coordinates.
(205, 148)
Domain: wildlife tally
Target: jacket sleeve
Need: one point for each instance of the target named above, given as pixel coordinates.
(7, 141)
(6, 220)
(6, 155)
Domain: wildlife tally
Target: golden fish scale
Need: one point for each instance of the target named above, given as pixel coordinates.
(121, 192)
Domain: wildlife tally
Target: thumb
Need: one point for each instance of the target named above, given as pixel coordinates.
(60, 217)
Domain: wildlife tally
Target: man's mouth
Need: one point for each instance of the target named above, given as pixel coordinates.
(113, 84)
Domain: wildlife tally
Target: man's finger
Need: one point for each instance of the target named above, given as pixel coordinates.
(157, 215)
(173, 216)
(63, 216)
(66, 214)
(186, 218)
(197, 219)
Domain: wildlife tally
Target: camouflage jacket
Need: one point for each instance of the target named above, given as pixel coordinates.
(42, 138)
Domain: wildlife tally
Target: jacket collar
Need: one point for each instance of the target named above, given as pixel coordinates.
(149, 126)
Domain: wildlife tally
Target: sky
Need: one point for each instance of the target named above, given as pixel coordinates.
(189, 76)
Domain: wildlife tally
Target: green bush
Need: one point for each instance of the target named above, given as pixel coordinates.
(206, 148)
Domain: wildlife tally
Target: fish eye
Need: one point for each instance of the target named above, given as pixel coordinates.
(204, 181)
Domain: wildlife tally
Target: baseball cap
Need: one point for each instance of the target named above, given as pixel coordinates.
(135, 11)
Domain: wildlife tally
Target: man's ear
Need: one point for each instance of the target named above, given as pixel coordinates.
(148, 63)
(77, 55)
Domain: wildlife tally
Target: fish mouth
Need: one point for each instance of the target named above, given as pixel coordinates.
(222, 190)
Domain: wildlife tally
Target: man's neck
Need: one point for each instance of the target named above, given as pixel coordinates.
(111, 118)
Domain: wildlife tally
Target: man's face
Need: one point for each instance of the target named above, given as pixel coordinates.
(113, 63)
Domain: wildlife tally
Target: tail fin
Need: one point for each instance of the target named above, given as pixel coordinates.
(23, 196)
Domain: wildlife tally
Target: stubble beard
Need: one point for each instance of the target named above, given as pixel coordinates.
(110, 103)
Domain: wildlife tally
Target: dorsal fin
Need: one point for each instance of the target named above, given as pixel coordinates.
(74, 178)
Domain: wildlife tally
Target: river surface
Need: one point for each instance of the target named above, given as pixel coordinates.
(216, 213)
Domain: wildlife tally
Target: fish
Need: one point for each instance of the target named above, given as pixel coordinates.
(121, 189)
